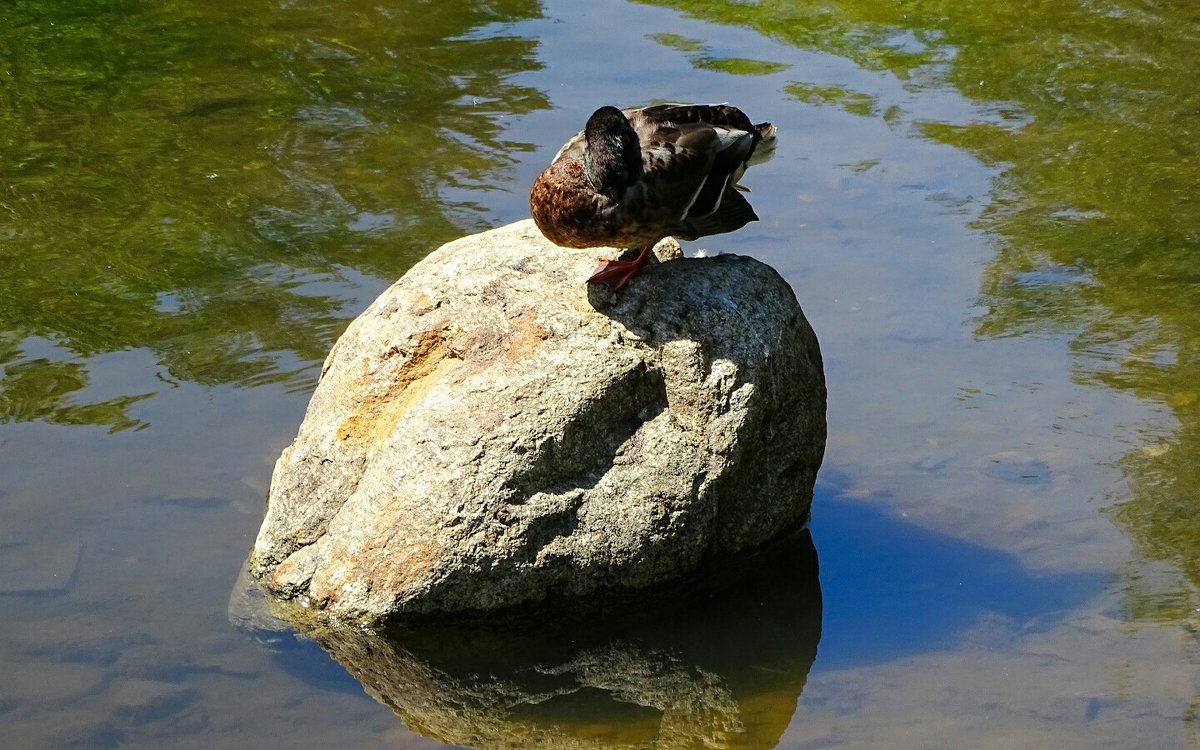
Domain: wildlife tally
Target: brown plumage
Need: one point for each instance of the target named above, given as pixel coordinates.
(633, 177)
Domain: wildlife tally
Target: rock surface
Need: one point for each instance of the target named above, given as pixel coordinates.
(492, 432)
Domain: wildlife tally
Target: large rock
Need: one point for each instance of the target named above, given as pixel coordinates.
(492, 432)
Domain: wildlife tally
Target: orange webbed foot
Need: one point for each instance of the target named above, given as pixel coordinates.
(620, 271)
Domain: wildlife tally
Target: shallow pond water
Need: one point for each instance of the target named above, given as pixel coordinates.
(987, 211)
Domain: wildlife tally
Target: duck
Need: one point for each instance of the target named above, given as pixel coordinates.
(635, 176)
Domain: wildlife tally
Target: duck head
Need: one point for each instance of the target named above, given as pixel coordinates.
(612, 156)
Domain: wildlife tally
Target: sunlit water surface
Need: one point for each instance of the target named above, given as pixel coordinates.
(987, 211)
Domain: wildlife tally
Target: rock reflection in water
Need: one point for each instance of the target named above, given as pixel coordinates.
(720, 670)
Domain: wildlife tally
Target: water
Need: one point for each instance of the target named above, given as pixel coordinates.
(987, 211)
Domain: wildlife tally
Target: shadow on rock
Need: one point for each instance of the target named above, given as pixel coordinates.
(721, 670)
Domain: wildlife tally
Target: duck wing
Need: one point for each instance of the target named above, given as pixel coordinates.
(721, 115)
(698, 152)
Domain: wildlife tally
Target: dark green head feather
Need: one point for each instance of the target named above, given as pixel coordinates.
(612, 157)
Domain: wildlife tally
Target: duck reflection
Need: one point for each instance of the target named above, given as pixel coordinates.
(722, 669)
